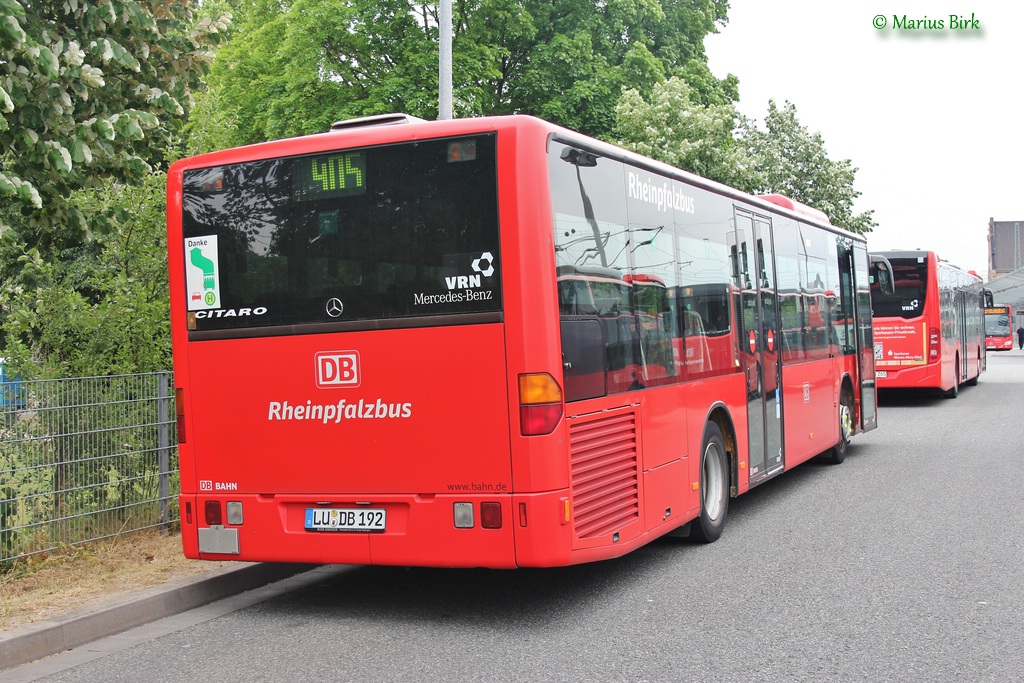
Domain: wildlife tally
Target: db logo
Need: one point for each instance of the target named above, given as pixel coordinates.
(337, 369)
(205, 485)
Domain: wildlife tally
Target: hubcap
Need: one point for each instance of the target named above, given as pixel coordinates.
(713, 479)
(845, 422)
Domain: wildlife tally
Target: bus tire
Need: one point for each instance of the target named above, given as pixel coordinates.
(837, 453)
(714, 487)
(973, 382)
(955, 391)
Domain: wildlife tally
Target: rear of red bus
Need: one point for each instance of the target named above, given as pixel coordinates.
(349, 389)
(910, 351)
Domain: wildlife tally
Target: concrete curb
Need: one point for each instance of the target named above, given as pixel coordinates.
(44, 638)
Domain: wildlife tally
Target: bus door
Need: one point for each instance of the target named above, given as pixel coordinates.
(865, 334)
(961, 332)
(754, 268)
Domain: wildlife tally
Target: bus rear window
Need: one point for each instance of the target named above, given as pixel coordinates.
(383, 233)
(910, 284)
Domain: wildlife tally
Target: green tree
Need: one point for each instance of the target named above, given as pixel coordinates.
(100, 307)
(792, 161)
(288, 69)
(89, 91)
(210, 126)
(573, 68)
(671, 126)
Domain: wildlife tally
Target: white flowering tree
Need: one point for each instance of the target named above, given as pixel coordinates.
(711, 139)
(674, 127)
(791, 160)
(89, 91)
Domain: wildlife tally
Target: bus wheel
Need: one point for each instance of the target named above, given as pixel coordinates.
(837, 453)
(952, 393)
(973, 382)
(714, 487)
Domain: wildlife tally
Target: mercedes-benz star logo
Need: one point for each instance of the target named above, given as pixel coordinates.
(335, 307)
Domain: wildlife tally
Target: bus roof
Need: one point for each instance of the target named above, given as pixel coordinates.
(796, 207)
(383, 129)
(921, 253)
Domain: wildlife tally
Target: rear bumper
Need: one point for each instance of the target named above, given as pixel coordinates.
(420, 531)
(536, 530)
(928, 376)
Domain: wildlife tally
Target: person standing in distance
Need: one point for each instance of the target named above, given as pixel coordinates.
(1020, 337)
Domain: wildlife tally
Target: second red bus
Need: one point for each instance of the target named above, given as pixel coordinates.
(929, 333)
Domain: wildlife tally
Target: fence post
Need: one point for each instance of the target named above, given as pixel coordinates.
(163, 438)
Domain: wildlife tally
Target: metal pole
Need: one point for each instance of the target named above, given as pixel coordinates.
(444, 109)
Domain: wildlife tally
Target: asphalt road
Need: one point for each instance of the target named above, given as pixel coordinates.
(905, 563)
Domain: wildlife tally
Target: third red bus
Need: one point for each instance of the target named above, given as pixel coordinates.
(999, 333)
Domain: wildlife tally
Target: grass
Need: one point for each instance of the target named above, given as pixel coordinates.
(78, 577)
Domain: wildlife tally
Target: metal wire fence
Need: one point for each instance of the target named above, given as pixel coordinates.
(83, 459)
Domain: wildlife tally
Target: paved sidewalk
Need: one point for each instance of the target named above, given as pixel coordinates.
(44, 638)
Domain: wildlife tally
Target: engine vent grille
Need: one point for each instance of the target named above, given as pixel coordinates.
(605, 485)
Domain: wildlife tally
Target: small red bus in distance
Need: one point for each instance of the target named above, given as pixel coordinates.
(929, 332)
(999, 332)
(494, 342)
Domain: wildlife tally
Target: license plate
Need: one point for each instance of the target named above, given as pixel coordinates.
(881, 373)
(345, 519)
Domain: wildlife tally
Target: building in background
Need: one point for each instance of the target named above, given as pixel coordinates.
(1006, 265)
(1005, 247)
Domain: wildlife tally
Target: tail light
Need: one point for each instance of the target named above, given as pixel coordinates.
(213, 513)
(540, 404)
(934, 338)
(490, 515)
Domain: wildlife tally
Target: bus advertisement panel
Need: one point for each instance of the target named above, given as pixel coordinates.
(494, 342)
(929, 331)
(999, 333)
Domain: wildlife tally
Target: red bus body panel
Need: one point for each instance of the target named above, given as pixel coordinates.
(807, 387)
(379, 437)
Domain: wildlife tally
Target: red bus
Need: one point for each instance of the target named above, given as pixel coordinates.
(494, 343)
(999, 332)
(930, 331)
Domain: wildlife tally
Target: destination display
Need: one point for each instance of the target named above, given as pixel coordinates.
(327, 176)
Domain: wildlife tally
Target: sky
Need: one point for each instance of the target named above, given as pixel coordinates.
(932, 118)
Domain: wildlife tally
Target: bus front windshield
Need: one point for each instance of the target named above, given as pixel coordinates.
(910, 285)
(997, 325)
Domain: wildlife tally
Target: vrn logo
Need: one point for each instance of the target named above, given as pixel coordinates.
(484, 266)
(913, 306)
(336, 369)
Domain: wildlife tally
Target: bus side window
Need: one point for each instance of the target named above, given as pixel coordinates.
(583, 352)
(583, 341)
(574, 298)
